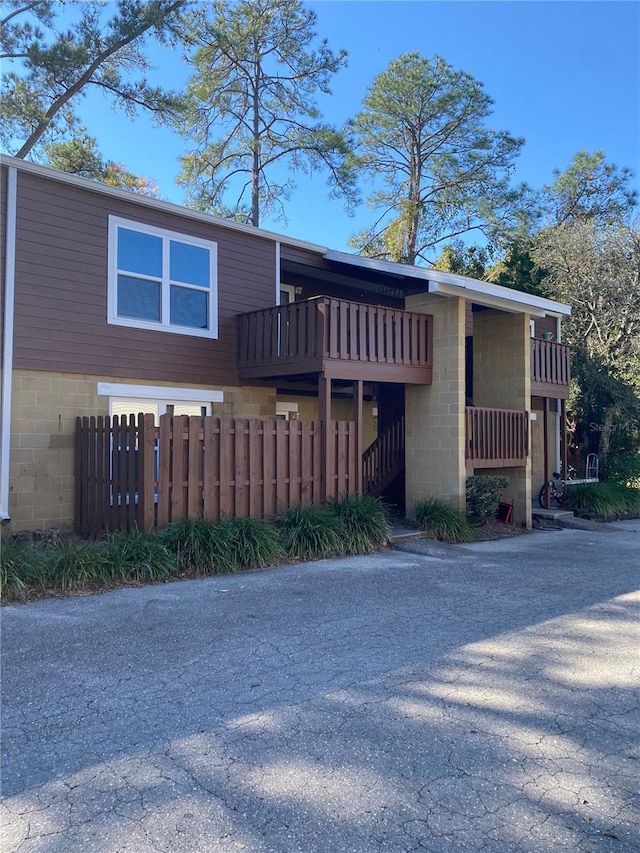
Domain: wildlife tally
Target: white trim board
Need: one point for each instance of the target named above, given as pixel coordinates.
(166, 393)
(7, 357)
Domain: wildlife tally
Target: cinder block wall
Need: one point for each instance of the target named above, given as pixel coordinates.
(44, 409)
(435, 425)
(341, 410)
(502, 380)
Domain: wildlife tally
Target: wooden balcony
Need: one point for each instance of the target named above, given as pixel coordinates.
(550, 369)
(342, 339)
(496, 438)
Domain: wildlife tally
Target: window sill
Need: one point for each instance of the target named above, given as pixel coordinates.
(146, 326)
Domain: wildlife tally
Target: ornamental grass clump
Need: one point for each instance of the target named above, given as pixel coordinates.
(72, 564)
(366, 523)
(250, 543)
(135, 557)
(22, 567)
(200, 546)
(442, 521)
(311, 532)
(608, 500)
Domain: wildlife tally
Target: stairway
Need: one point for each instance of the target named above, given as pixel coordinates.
(383, 460)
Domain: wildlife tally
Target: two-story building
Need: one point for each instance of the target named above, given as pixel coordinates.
(115, 303)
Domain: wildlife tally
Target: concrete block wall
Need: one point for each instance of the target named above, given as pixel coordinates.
(44, 408)
(435, 423)
(502, 380)
(501, 360)
(341, 410)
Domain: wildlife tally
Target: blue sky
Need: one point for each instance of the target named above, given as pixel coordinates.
(564, 75)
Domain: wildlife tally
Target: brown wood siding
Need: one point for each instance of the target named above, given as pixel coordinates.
(302, 256)
(545, 324)
(61, 290)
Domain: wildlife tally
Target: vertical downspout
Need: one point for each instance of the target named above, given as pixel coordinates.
(278, 273)
(7, 354)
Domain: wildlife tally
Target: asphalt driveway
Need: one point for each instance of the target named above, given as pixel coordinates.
(476, 698)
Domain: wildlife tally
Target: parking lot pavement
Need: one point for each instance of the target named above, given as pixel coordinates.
(470, 698)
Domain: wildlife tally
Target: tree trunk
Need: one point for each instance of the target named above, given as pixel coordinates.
(255, 166)
(605, 436)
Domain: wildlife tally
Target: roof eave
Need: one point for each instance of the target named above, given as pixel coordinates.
(158, 204)
(450, 284)
(502, 298)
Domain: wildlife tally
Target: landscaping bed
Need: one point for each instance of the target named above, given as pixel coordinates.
(191, 548)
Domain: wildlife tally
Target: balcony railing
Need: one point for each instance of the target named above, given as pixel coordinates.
(550, 368)
(348, 340)
(496, 438)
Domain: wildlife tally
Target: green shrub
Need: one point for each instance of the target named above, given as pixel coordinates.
(22, 566)
(630, 499)
(71, 564)
(366, 523)
(250, 543)
(136, 557)
(607, 500)
(443, 521)
(311, 532)
(624, 469)
(199, 545)
(483, 496)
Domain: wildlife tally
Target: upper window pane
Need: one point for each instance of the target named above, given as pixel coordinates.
(139, 253)
(189, 264)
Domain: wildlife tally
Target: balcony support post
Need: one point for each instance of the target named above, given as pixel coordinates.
(324, 412)
(563, 438)
(545, 445)
(358, 397)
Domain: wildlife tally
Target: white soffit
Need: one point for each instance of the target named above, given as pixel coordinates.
(450, 284)
(501, 303)
(494, 295)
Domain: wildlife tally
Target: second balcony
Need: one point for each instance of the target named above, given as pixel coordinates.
(342, 339)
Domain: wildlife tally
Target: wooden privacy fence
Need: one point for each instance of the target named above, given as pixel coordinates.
(130, 473)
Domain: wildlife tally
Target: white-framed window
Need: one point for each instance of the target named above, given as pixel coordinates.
(286, 294)
(158, 400)
(286, 411)
(161, 280)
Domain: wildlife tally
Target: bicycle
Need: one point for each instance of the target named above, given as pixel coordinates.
(557, 490)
